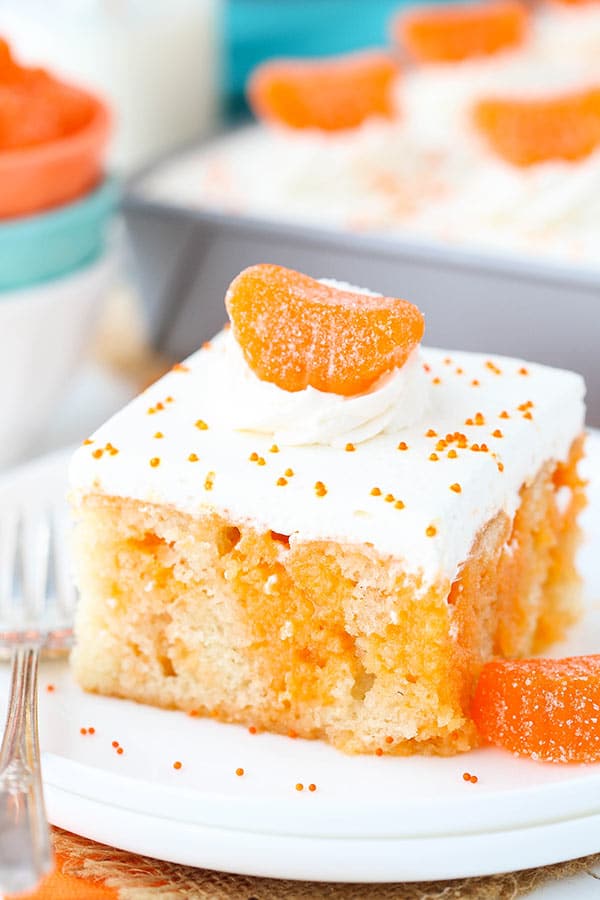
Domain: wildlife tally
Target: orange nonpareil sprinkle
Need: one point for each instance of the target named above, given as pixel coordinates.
(50, 688)
(97, 453)
(379, 752)
(376, 492)
(431, 433)
(261, 461)
(402, 445)
(497, 433)
(180, 367)
(158, 434)
(292, 734)
(500, 466)
(119, 750)
(201, 425)
(87, 442)
(433, 457)
(350, 448)
(253, 457)
(91, 731)
(523, 371)
(299, 786)
(389, 739)
(209, 481)
(274, 449)
(281, 481)
(475, 383)
(320, 489)
(312, 787)
(289, 473)
(239, 772)
(431, 531)
(504, 415)
(252, 729)
(399, 504)
(177, 764)
(83, 731)
(389, 498)
(452, 454)
(115, 744)
(193, 457)
(155, 461)
(456, 487)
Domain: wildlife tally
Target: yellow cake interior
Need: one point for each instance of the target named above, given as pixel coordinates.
(317, 638)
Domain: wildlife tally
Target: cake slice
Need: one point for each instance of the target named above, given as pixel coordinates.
(337, 561)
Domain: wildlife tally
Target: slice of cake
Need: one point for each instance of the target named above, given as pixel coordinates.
(315, 525)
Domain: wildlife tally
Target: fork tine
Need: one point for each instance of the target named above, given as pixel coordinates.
(8, 546)
(64, 589)
(33, 557)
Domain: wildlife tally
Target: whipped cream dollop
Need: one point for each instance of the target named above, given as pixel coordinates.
(244, 402)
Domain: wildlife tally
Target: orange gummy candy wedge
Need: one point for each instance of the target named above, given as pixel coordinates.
(460, 31)
(547, 709)
(331, 94)
(295, 331)
(525, 132)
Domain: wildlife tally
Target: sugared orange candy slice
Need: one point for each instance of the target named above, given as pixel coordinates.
(525, 132)
(460, 31)
(547, 709)
(295, 331)
(331, 94)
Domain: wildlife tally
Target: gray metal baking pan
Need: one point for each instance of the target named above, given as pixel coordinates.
(185, 259)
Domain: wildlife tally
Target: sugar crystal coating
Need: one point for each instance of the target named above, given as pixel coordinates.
(296, 332)
(525, 132)
(330, 94)
(460, 31)
(547, 709)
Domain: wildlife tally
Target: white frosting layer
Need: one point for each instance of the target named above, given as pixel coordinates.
(228, 476)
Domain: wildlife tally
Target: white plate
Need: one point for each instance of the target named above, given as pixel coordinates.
(370, 819)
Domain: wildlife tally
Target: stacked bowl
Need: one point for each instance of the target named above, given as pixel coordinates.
(56, 209)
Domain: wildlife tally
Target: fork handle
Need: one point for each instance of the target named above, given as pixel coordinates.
(25, 848)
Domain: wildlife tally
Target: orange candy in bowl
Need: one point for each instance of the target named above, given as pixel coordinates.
(52, 139)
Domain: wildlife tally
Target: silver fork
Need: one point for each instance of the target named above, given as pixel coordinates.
(36, 611)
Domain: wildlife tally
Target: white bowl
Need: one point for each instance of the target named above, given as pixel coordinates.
(44, 331)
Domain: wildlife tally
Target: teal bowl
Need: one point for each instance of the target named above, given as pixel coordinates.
(49, 245)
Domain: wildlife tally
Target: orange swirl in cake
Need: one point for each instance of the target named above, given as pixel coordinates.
(529, 131)
(461, 31)
(297, 332)
(331, 94)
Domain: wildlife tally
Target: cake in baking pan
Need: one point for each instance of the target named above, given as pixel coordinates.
(317, 525)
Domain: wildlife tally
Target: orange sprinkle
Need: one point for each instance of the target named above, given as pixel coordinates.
(433, 457)
(312, 787)
(320, 489)
(193, 457)
(500, 466)
(160, 406)
(466, 776)
(527, 415)
(91, 731)
(389, 739)
(484, 448)
(201, 425)
(206, 345)
(389, 498)
(261, 461)
(431, 433)
(292, 734)
(479, 419)
(402, 445)
(299, 786)
(473, 779)
(155, 461)
(169, 399)
(289, 473)
(426, 367)
(274, 449)
(209, 481)
(119, 750)
(50, 688)
(115, 743)
(441, 444)
(193, 713)
(350, 448)
(253, 457)
(379, 752)
(399, 504)
(436, 381)
(112, 450)
(456, 487)
(87, 442)
(281, 481)
(493, 367)
(497, 433)
(431, 531)
(252, 729)
(176, 764)
(504, 415)
(475, 383)
(523, 406)
(158, 434)
(523, 371)
(376, 492)
(83, 731)
(447, 361)
(180, 367)
(469, 422)
(452, 454)
(151, 410)
(460, 371)
(239, 772)
(97, 453)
